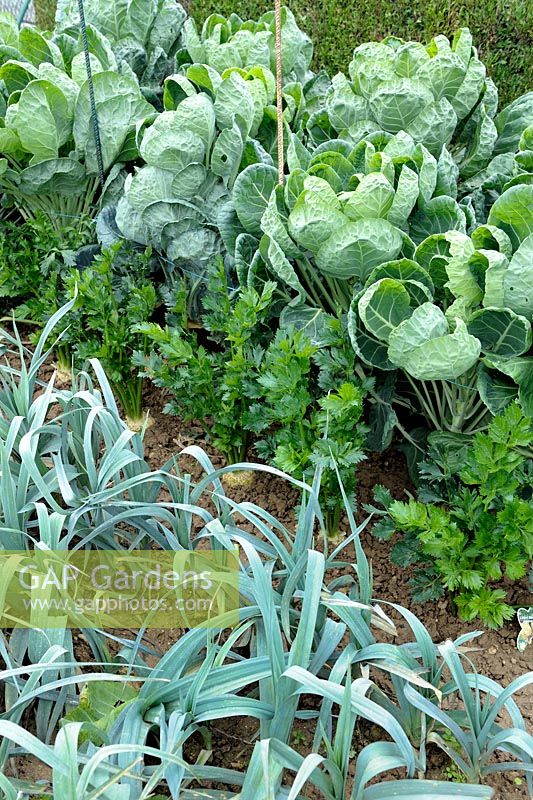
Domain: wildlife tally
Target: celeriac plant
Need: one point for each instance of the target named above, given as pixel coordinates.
(308, 410)
(112, 296)
(472, 523)
(212, 386)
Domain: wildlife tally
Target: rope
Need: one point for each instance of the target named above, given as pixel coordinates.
(94, 115)
(23, 11)
(279, 96)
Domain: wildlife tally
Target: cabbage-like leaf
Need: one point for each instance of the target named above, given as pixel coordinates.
(489, 237)
(282, 268)
(462, 281)
(373, 198)
(511, 122)
(120, 106)
(9, 30)
(383, 306)
(518, 280)
(17, 74)
(495, 390)
(57, 175)
(168, 144)
(234, 101)
(274, 224)
(251, 193)
(305, 318)
(493, 266)
(513, 213)
(441, 214)
(42, 119)
(423, 346)
(60, 79)
(369, 349)
(434, 126)
(480, 147)
(36, 49)
(355, 248)
(521, 372)
(227, 154)
(501, 331)
(405, 198)
(397, 104)
(313, 219)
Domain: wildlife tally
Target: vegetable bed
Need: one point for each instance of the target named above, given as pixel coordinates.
(266, 377)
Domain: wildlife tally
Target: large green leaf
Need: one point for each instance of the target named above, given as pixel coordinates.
(434, 126)
(518, 280)
(57, 175)
(495, 390)
(462, 281)
(440, 215)
(42, 119)
(234, 101)
(227, 154)
(397, 103)
(521, 371)
(424, 347)
(511, 122)
(383, 306)
(34, 46)
(169, 144)
(405, 198)
(513, 213)
(404, 269)
(313, 219)
(355, 248)
(373, 198)
(501, 331)
(197, 114)
(274, 223)
(251, 193)
(120, 106)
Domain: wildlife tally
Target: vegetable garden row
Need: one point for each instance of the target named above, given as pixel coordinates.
(379, 295)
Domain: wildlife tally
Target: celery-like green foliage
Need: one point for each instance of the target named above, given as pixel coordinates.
(114, 295)
(476, 522)
(309, 412)
(34, 259)
(212, 384)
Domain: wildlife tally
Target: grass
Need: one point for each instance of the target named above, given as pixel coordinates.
(503, 31)
(45, 13)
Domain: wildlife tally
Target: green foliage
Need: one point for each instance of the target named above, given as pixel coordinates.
(304, 632)
(34, 259)
(211, 384)
(473, 524)
(114, 296)
(45, 11)
(100, 703)
(337, 27)
(310, 408)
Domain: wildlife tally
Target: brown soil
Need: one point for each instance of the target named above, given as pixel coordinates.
(496, 656)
